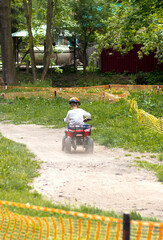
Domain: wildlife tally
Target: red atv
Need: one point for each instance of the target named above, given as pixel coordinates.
(78, 136)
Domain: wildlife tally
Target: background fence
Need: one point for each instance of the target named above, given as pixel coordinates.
(72, 225)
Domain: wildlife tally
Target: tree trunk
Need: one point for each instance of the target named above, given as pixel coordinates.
(85, 62)
(9, 70)
(48, 44)
(75, 58)
(28, 15)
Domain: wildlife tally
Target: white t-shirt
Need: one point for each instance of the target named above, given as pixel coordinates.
(76, 116)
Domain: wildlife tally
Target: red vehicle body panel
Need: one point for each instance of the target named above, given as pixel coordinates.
(82, 132)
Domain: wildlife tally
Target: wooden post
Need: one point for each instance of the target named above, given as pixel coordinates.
(55, 94)
(109, 88)
(126, 226)
(5, 86)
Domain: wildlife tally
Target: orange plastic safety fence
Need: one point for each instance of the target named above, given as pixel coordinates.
(146, 230)
(79, 231)
(70, 225)
(60, 211)
(115, 86)
(91, 93)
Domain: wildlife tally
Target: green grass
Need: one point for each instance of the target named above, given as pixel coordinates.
(117, 127)
(25, 89)
(114, 125)
(160, 157)
(149, 101)
(34, 110)
(17, 170)
(156, 168)
(153, 156)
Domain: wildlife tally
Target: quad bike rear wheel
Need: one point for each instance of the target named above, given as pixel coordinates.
(68, 145)
(90, 145)
(63, 143)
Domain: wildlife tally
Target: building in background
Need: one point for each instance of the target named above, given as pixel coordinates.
(112, 60)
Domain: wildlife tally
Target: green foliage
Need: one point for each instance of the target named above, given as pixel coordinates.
(17, 15)
(149, 101)
(136, 216)
(143, 78)
(153, 156)
(156, 168)
(70, 78)
(160, 157)
(135, 22)
(87, 15)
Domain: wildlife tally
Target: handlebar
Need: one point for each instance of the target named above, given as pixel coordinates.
(87, 119)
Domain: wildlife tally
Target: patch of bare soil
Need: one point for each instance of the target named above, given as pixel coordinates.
(106, 179)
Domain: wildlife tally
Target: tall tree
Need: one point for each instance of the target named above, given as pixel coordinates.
(17, 15)
(28, 15)
(48, 42)
(9, 73)
(88, 15)
(65, 24)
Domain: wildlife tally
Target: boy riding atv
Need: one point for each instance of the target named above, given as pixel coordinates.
(76, 115)
(77, 133)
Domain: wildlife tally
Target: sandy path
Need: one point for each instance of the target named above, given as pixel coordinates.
(106, 179)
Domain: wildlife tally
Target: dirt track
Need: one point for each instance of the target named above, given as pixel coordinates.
(106, 179)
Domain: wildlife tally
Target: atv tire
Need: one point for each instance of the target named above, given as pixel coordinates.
(90, 145)
(63, 143)
(68, 145)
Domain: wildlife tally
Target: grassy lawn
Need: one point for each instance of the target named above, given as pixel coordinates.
(114, 126)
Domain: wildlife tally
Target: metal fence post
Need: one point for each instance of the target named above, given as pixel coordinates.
(126, 226)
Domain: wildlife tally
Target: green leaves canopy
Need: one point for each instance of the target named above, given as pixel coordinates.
(88, 15)
(135, 22)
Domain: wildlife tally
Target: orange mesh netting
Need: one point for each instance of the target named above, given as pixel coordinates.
(69, 225)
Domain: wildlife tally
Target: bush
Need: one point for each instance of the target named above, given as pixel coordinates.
(151, 78)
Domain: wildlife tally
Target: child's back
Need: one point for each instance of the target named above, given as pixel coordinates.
(76, 116)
